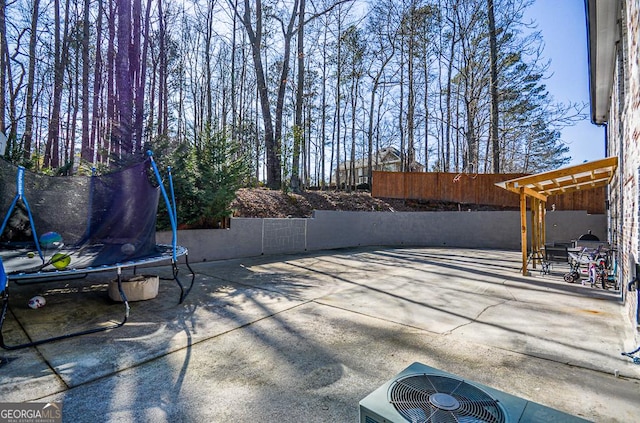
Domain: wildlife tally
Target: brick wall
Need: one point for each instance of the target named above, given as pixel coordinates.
(623, 131)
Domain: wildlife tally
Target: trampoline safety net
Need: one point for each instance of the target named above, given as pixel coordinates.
(90, 221)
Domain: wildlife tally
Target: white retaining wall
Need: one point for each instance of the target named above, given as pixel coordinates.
(249, 237)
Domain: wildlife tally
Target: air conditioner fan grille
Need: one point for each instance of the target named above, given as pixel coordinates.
(432, 398)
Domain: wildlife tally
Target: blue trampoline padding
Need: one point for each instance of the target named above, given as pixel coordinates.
(20, 267)
(3, 277)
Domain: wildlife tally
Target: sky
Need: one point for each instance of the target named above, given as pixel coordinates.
(563, 27)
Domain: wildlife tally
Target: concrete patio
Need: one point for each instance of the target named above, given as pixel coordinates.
(306, 337)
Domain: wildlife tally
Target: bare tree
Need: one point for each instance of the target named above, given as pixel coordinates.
(129, 95)
(27, 137)
(493, 60)
(383, 35)
(252, 20)
(355, 50)
(93, 147)
(323, 112)
(78, 74)
(162, 72)
(448, 122)
(254, 32)
(4, 63)
(123, 128)
(298, 131)
(52, 150)
(140, 73)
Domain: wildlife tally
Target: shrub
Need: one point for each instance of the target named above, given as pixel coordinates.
(206, 177)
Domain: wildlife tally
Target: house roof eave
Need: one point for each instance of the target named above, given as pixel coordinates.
(602, 36)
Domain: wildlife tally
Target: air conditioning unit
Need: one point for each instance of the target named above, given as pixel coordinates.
(421, 394)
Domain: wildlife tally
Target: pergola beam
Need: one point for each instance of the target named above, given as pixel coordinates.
(607, 165)
(535, 194)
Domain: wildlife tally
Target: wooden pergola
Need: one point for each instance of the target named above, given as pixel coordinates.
(540, 186)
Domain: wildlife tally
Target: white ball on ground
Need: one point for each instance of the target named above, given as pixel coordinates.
(37, 302)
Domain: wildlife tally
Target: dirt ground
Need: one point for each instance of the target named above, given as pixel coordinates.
(264, 203)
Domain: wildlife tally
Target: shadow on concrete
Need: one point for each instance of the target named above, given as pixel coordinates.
(305, 337)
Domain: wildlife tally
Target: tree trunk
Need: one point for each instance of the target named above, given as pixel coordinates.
(411, 96)
(97, 125)
(86, 152)
(298, 131)
(447, 139)
(4, 63)
(108, 143)
(72, 116)
(162, 69)
(494, 89)
(401, 108)
(124, 88)
(234, 105)
(323, 112)
(337, 123)
(284, 76)
(207, 66)
(355, 79)
(141, 81)
(426, 112)
(274, 179)
(52, 150)
(33, 38)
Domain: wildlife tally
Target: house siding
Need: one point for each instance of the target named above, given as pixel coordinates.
(387, 160)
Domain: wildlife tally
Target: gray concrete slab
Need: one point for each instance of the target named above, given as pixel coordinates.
(306, 337)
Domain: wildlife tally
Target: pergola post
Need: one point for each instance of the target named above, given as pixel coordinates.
(535, 209)
(523, 229)
(543, 223)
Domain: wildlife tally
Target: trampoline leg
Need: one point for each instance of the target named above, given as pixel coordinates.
(123, 296)
(183, 292)
(3, 314)
(5, 303)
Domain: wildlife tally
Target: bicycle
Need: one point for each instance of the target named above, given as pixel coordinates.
(598, 273)
(636, 360)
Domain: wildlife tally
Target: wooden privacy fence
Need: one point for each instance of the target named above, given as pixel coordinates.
(474, 189)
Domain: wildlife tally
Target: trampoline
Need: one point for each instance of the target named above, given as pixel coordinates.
(58, 228)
